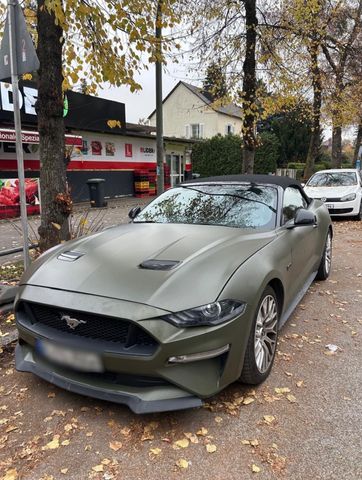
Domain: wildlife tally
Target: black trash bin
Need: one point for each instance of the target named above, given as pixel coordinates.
(96, 192)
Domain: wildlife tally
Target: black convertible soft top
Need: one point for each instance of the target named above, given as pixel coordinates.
(283, 182)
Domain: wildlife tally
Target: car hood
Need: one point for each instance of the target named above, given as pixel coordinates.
(110, 263)
(330, 192)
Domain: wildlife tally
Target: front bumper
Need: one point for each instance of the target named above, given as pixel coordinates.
(154, 399)
(181, 385)
(345, 209)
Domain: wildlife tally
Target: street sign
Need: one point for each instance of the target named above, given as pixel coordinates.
(26, 57)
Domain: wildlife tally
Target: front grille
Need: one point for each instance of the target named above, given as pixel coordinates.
(120, 333)
(336, 211)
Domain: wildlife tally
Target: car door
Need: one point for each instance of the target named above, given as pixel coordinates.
(302, 239)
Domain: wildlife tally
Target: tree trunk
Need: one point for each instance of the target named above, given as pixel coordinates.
(313, 149)
(358, 142)
(336, 147)
(55, 199)
(249, 87)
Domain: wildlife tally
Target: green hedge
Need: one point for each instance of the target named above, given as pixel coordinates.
(219, 155)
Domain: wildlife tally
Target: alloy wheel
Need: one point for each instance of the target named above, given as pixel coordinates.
(265, 336)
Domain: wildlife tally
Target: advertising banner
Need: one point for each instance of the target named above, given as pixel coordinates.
(10, 201)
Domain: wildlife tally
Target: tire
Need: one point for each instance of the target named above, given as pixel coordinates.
(324, 269)
(261, 348)
(359, 215)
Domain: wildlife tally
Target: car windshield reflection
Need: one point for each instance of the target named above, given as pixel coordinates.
(240, 206)
(335, 179)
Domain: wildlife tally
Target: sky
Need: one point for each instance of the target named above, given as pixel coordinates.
(141, 104)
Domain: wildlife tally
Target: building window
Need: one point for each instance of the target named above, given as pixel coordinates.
(196, 130)
(229, 129)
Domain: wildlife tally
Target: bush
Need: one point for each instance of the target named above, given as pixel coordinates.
(267, 153)
(296, 165)
(219, 155)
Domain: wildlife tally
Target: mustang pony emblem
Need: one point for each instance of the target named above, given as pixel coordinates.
(323, 199)
(72, 322)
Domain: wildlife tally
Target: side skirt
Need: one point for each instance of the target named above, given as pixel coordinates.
(297, 299)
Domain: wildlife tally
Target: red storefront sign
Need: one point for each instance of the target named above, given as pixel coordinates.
(33, 137)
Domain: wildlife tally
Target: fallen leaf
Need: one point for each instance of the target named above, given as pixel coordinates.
(202, 432)
(192, 437)
(184, 443)
(155, 451)
(115, 445)
(51, 395)
(126, 431)
(53, 444)
(65, 442)
(300, 383)
(56, 226)
(269, 419)
(255, 468)
(11, 474)
(211, 448)
(68, 427)
(182, 463)
(105, 461)
(245, 442)
(11, 428)
(291, 398)
(254, 442)
(282, 390)
(89, 434)
(98, 468)
(218, 419)
(64, 470)
(248, 400)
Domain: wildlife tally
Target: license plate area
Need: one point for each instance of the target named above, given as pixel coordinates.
(67, 357)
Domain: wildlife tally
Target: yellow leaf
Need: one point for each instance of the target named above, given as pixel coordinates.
(126, 431)
(105, 461)
(182, 463)
(11, 474)
(98, 468)
(269, 419)
(192, 437)
(291, 398)
(254, 442)
(68, 427)
(65, 443)
(184, 443)
(282, 390)
(203, 432)
(255, 468)
(211, 448)
(56, 226)
(115, 445)
(155, 451)
(245, 442)
(218, 419)
(300, 383)
(53, 444)
(64, 470)
(248, 400)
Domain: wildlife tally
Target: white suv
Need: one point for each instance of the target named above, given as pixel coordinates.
(340, 189)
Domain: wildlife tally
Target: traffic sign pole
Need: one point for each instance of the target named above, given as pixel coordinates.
(17, 122)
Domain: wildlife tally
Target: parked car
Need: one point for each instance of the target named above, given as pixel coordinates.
(184, 300)
(340, 189)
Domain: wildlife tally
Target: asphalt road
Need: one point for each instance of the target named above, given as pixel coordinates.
(303, 423)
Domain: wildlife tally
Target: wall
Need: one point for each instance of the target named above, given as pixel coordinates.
(183, 108)
(224, 120)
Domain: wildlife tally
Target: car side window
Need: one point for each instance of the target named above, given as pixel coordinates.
(293, 200)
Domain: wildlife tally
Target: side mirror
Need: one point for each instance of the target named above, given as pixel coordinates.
(134, 212)
(303, 218)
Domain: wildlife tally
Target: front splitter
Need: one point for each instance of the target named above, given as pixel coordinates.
(169, 398)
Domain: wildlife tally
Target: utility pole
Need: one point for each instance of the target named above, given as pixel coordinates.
(17, 123)
(159, 113)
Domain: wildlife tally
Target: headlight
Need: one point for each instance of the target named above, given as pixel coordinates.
(349, 197)
(210, 314)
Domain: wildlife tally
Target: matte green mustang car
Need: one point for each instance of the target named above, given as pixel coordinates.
(184, 300)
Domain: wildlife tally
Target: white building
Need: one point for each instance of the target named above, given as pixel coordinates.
(190, 113)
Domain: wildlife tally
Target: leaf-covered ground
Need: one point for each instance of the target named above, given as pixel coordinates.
(302, 423)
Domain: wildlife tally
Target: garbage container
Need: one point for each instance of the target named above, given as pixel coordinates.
(96, 192)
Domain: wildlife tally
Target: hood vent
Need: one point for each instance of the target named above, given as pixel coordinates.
(70, 256)
(154, 264)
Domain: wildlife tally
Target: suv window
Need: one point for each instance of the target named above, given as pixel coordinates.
(293, 200)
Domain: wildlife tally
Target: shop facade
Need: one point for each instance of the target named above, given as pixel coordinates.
(99, 143)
